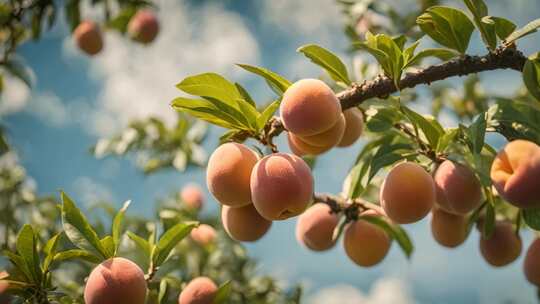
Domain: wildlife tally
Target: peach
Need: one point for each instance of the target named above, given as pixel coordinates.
(244, 224)
(328, 138)
(281, 186)
(228, 174)
(503, 247)
(309, 107)
(457, 188)
(204, 234)
(301, 148)
(515, 173)
(143, 26)
(315, 227)
(408, 193)
(4, 297)
(200, 290)
(365, 243)
(88, 37)
(449, 230)
(532, 263)
(116, 281)
(354, 126)
(192, 196)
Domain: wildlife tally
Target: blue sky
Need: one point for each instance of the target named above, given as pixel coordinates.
(76, 100)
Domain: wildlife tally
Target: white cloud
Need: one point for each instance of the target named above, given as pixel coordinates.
(384, 291)
(49, 108)
(14, 97)
(138, 81)
(88, 191)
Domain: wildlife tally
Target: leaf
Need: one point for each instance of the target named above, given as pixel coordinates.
(479, 10)
(245, 95)
(121, 20)
(223, 293)
(108, 244)
(117, 226)
(528, 29)
(381, 119)
(395, 231)
(163, 288)
(531, 75)
(143, 244)
(430, 129)
(211, 85)
(50, 250)
(277, 83)
(477, 133)
(516, 120)
(267, 113)
(210, 112)
(27, 249)
(442, 54)
(387, 53)
(448, 26)
(77, 254)
(78, 230)
(503, 26)
(489, 221)
(446, 139)
(532, 218)
(19, 262)
(170, 239)
(73, 14)
(328, 61)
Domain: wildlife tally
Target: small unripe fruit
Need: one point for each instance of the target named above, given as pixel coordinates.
(457, 188)
(301, 148)
(244, 224)
(228, 174)
(200, 290)
(143, 26)
(328, 138)
(88, 37)
(281, 186)
(315, 227)
(309, 107)
(116, 281)
(407, 193)
(503, 247)
(515, 173)
(449, 230)
(204, 234)
(354, 125)
(532, 263)
(365, 243)
(192, 196)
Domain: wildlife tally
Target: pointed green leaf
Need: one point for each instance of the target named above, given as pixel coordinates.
(479, 10)
(170, 239)
(223, 293)
(117, 226)
(531, 75)
(328, 61)
(27, 249)
(477, 133)
(431, 130)
(143, 244)
(210, 112)
(532, 218)
(395, 231)
(267, 113)
(245, 94)
(528, 29)
(277, 83)
(503, 27)
(19, 262)
(50, 250)
(108, 244)
(77, 254)
(211, 85)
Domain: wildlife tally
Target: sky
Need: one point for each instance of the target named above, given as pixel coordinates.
(76, 100)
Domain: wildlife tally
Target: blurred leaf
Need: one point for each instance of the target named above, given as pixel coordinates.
(223, 293)
(381, 119)
(528, 29)
(121, 20)
(277, 83)
(395, 231)
(446, 139)
(489, 221)
(19, 262)
(117, 226)
(73, 14)
(143, 244)
(170, 239)
(328, 61)
(50, 250)
(477, 133)
(162, 295)
(532, 218)
(531, 75)
(108, 244)
(27, 249)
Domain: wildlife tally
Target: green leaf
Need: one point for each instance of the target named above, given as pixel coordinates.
(108, 244)
(487, 30)
(78, 230)
(245, 95)
(532, 218)
(73, 14)
(489, 221)
(448, 26)
(446, 139)
(387, 53)
(121, 20)
(267, 113)
(531, 75)
(516, 120)
(19, 262)
(210, 112)
(163, 288)
(211, 85)
(277, 83)
(77, 254)
(328, 61)
(503, 26)
(170, 239)
(431, 130)
(27, 249)
(395, 231)
(477, 133)
(528, 29)
(442, 54)
(381, 119)
(50, 250)
(117, 226)
(223, 293)
(143, 244)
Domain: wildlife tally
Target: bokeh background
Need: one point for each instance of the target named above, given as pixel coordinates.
(77, 100)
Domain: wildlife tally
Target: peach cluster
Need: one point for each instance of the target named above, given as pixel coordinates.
(256, 191)
(312, 115)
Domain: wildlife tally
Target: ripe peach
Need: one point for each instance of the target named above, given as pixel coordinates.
(503, 247)
(328, 138)
(515, 173)
(116, 281)
(204, 234)
(88, 37)
(532, 263)
(457, 188)
(407, 193)
(244, 224)
(143, 26)
(281, 186)
(354, 125)
(301, 148)
(365, 243)
(228, 174)
(315, 227)
(309, 107)
(449, 230)
(200, 290)
(192, 196)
